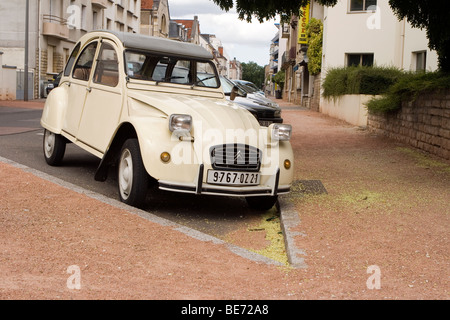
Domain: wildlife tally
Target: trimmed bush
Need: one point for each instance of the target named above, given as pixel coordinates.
(359, 80)
(408, 88)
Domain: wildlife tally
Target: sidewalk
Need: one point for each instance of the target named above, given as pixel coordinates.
(30, 104)
(386, 206)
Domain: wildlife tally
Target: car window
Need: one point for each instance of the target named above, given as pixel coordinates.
(107, 69)
(83, 66)
(149, 66)
(206, 76)
(71, 60)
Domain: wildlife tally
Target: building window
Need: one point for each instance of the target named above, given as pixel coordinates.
(83, 17)
(362, 5)
(421, 59)
(360, 59)
(50, 54)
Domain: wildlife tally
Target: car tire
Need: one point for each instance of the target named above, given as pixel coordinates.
(54, 146)
(261, 202)
(132, 178)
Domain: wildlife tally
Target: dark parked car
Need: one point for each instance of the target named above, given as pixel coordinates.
(266, 111)
(52, 84)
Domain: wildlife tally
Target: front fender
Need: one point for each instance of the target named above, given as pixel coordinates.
(54, 110)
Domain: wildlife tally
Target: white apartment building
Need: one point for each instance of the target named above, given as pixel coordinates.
(355, 32)
(54, 28)
(367, 32)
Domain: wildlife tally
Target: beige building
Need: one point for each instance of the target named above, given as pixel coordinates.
(155, 18)
(54, 28)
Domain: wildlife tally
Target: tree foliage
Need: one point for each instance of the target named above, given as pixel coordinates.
(279, 78)
(253, 72)
(266, 9)
(430, 15)
(314, 32)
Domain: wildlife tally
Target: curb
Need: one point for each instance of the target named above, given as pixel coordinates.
(289, 220)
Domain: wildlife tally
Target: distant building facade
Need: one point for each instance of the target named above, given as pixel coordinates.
(54, 28)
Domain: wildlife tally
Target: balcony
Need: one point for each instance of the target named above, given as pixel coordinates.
(101, 4)
(55, 27)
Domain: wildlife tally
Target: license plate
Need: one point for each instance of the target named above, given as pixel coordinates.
(233, 178)
(265, 123)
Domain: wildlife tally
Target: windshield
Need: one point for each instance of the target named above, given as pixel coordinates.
(250, 85)
(244, 88)
(153, 67)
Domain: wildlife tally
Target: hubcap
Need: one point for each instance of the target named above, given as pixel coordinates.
(49, 144)
(125, 174)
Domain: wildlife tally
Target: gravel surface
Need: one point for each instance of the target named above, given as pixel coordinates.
(380, 232)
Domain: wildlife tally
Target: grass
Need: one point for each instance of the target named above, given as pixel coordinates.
(276, 250)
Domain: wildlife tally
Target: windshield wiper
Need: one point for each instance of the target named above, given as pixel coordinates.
(168, 79)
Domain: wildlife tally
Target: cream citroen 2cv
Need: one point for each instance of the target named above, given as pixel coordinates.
(155, 108)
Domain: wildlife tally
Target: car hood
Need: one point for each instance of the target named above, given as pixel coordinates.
(209, 112)
(257, 108)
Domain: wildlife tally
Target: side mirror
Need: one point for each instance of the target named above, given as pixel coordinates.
(234, 93)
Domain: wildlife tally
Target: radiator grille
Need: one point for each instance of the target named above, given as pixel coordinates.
(235, 157)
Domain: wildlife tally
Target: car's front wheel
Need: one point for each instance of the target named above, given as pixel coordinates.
(132, 177)
(54, 148)
(261, 202)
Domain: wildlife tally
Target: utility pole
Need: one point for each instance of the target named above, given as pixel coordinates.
(25, 73)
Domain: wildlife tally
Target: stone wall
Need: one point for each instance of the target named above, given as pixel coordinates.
(315, 99)
(424, 123)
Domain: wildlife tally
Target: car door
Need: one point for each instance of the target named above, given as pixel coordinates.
(78, 85)
(104, 100)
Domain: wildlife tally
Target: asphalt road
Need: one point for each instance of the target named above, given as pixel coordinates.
(21, 141)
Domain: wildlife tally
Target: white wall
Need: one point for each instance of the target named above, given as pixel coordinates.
(377, 32)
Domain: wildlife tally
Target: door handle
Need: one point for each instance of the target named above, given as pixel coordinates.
(88, 89)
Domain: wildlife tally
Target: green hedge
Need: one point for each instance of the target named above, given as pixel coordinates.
(407, 88)
(359, 80)
(391, 84)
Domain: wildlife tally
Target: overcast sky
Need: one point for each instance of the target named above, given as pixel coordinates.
(245, 41)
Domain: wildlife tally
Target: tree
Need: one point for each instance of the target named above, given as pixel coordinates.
(279, 78)
(314, 32)
(430, 15)
(266, 9)
(253, 72)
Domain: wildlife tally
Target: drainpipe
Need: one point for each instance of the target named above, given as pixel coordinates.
(403, 35)
(25, 71)
(39, 48)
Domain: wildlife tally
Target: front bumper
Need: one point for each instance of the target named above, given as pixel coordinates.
(270, 188)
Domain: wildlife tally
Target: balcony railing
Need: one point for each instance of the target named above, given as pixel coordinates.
(55, 26)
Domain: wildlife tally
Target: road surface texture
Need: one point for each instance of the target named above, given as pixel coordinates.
(380, 231)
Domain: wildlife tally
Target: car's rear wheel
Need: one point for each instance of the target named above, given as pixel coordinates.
(132, 177)
(54, 146)
(261, 202)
